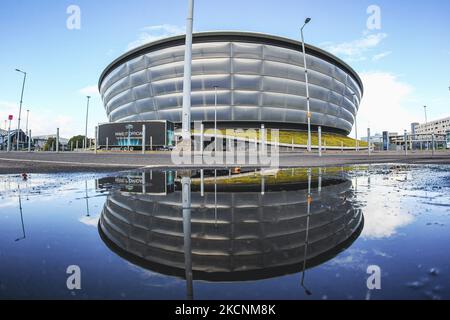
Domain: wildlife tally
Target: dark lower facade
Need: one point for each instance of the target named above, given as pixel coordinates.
(130, 135)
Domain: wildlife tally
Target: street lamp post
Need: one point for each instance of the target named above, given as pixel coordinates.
(87, 117)
(187, 81)
(215, 118)
(20, 107)
(307, 85)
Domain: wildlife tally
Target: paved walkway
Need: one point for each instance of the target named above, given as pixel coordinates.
(44, 162)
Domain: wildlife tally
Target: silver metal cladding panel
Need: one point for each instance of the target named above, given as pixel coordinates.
(257, 82)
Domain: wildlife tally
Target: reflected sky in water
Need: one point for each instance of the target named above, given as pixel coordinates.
(288, 234)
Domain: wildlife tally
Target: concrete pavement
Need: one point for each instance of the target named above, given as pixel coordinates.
(47, 162)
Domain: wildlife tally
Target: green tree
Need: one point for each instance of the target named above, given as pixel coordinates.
(50, 145)
(73, 141)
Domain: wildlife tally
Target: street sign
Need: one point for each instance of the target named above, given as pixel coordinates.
(10, 117)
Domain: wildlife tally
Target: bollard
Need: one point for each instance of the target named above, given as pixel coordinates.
(202, 137)
(29, 141)
(263, 138)
(342, 146)
(405, 138)
(202, 183)
(107, 143)
(96, 140)
(57, 140)
(144, 132)
(151, 143)
(433, 142)
(320, 140)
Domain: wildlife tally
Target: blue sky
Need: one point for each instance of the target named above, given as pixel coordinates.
(404, 65)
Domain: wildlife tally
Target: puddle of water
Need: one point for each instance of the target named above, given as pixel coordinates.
(288, 234)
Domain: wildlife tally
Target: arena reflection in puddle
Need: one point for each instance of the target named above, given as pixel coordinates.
(225, 226)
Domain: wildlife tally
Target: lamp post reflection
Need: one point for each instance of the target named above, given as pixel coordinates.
(215, 198)
(87, 199)
(308, 212)
(186, 200)
(21, 216)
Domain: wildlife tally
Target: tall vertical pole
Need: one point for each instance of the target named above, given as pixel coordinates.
(186, 116)
(368, 141)
(87, 118)
(20, 107)
(307, 86)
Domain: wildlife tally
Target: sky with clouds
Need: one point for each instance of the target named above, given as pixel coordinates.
(404, 64)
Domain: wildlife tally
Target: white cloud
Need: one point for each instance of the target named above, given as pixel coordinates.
(382, 55)
(384, 215)
(356, 49)
(90, 221)
(152, 33)
(387, 105)
(41, 123)
(90, 91)
(7, 108)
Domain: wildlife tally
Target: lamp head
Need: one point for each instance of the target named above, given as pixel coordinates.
(308, 20)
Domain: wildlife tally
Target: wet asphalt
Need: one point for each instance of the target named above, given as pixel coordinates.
(47, 162)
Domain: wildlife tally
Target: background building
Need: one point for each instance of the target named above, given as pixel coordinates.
(260, 79)
(440, 126)
(40, 141)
